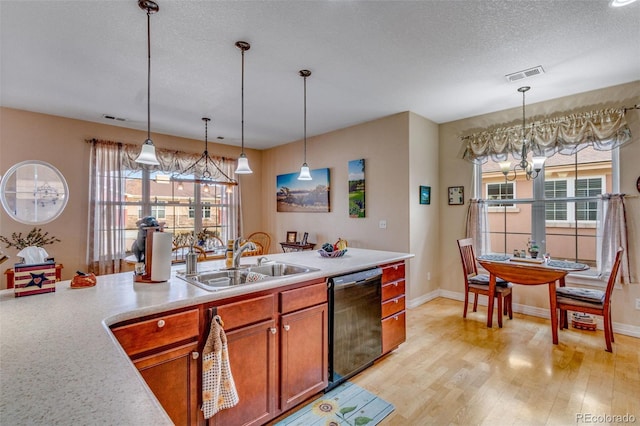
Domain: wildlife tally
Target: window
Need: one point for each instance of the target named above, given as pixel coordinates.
(156, 211)
(500, 191)
(558, 209)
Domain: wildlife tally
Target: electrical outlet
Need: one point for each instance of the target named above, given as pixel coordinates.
(638, 304)
(382, 224)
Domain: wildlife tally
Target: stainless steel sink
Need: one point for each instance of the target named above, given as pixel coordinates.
(228, 278)
(279, 269)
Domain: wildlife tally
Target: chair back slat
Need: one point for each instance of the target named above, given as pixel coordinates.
(614, 273)
(468, 257)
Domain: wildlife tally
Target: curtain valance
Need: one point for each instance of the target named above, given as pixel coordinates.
(602, 129)
(170, 160)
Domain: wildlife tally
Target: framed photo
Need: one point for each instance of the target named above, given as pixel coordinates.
(456, 195)
(425, 194)
(292, 236)
(305, 237)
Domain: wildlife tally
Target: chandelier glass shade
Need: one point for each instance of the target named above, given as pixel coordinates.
(243, 162)
(305, 174)
(532, 168)
(148, 151)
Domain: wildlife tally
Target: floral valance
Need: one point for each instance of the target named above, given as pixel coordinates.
(170, 160)
(603, 129)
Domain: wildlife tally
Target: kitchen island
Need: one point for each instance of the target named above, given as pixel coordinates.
(60, 362)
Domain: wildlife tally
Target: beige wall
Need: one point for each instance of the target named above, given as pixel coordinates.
(455, 171)
(60, 141)
(384, 145)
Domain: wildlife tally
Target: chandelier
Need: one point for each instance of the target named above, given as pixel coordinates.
(531, 168)
(148, 151)
(208, 176)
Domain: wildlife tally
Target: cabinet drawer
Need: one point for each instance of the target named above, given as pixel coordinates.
(304, 297)
(392, 290)
(393, 332)
(392, 306)
(392, 272)
(155, 333)
(245, 312)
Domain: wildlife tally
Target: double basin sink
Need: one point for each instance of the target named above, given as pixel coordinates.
(227, 278)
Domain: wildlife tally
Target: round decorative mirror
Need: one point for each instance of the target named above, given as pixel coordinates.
(33, 192)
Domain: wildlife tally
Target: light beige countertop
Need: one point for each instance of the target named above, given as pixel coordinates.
(59, 361)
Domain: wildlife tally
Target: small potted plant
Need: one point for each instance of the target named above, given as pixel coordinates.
(533, 249)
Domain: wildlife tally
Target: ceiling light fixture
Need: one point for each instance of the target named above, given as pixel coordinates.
(243, 162)
(537, 160)
(148, 151)
(621, 3)
(304, 170)
(190, 174)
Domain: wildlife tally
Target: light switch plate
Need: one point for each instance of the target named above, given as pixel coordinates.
(382, 224)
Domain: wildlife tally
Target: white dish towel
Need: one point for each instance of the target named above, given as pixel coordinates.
(218, 389)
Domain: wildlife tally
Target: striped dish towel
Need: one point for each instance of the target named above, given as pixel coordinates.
(218, 389)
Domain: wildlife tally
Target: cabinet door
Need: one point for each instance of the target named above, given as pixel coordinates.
(304, 354)
(172, 375)
(393, 332)
(253, 360)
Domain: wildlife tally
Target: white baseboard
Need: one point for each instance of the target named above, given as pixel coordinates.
(625, 329)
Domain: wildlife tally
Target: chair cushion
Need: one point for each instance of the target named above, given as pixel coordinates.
(484, 279)
(581, 294)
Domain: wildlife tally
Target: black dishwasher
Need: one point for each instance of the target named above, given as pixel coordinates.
(355, 325)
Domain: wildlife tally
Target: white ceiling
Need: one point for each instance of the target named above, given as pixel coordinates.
(444, 60)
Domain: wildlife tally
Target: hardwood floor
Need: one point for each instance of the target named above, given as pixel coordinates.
(457, 371)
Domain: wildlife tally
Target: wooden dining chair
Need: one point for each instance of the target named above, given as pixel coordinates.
(179, 253)
(262, 241)
(595, 302)
(479, 283)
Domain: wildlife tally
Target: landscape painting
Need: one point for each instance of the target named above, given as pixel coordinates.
(310, 196)
(356, 188)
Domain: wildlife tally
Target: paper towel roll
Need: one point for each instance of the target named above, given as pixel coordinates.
(161, 256)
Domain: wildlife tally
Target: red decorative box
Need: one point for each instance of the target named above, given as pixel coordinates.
(34, 279)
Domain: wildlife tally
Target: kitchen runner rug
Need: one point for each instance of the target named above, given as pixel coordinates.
(345, 405)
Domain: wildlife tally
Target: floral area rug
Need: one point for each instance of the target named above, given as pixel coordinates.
(347, 405)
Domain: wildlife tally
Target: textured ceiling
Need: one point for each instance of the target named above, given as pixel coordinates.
(444, 60)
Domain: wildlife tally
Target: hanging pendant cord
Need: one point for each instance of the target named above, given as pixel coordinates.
(148, 74)
(242, 104)
(305, 119)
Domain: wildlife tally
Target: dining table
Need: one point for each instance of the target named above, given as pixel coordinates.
(528, 271)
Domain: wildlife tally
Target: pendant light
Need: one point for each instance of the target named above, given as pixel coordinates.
(304, 170)
(531, 169)
(243, 162)
(148, 152)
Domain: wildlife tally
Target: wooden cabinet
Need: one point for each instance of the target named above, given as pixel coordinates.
(250, 326)
(278, 355)
(393, 306)
(303, 344)
(165, 351)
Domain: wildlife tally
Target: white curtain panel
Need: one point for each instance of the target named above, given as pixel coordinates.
(612, 234)
(478, 226)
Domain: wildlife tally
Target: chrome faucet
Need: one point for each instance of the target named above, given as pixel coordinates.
(261, 260)
(239, 248)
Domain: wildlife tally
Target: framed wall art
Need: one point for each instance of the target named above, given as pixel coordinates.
(456, 195)
(356, 188)
(425, 194)
(304, 196)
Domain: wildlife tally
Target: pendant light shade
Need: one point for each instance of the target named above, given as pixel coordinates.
(304, 170)
(148, 152)
(243, 162)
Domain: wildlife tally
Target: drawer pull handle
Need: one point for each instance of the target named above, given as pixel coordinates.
(396, 301)
(195, 355)
(395, 267)
(395, 284)
(287, 327)
(161, 323)
(273, 330)
(395, 318)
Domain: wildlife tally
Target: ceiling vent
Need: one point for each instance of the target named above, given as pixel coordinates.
(111, 117)
(520, 75)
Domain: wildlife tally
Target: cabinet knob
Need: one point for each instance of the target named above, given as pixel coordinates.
(161, 323)
(195, 355)
(287, 327)
(273, 330)
(396, 318)
(396, 301)
(395, 267)
(395, 284)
